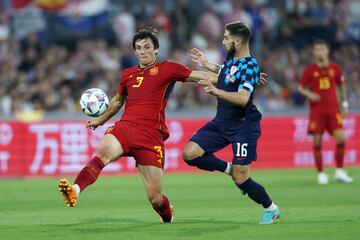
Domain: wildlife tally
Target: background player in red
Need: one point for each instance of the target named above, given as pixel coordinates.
(318, 83)
(141, 131)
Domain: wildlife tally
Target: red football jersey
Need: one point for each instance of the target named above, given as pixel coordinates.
(323, 81)
(147, 92)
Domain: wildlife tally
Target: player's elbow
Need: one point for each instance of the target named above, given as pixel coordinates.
(243, 98)
(242, 103)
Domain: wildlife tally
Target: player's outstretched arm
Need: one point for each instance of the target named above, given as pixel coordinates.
(198, 57)
(114, 106)
(240, 98)
(196, 76)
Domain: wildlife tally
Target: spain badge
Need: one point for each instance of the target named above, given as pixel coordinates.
(154, 71)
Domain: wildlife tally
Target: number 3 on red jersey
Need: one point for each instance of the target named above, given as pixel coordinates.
(139, 81)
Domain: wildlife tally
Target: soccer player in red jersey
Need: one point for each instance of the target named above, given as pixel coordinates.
(318, 83)
(141, 131)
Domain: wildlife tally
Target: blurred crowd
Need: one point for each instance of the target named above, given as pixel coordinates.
(44, 74)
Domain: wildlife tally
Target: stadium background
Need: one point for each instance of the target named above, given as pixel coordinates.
(51, 51)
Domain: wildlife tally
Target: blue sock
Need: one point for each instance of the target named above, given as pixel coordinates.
(208, 162)
(256, 192)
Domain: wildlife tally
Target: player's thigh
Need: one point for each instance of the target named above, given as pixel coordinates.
(210, 138)
(109, 149)
(153, 181)
(244, 144)
(124, 132)
(192, 150)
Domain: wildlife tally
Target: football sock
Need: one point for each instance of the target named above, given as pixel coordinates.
(228, 169)
(163, 209)
(208, 162)
(272, 207)
(256, 192)
(339, 155)
(318, 159)
(89, 173)
(77, 188)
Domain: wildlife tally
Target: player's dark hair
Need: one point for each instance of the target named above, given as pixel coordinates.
(239, 29)
(146, 33)
(320, 42)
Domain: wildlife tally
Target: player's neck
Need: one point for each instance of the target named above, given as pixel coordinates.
(142, 66)
(323, 63)
(242, 52)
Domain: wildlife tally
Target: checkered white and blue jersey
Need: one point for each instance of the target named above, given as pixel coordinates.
(237, 73)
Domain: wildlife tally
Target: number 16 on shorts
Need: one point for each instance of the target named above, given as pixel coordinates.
(244, 153)
(241, 150)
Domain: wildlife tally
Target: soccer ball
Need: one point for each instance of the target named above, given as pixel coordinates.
(94, 102)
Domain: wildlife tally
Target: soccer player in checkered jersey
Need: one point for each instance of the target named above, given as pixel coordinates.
(141, 131)
(318, 83)
(237, 121)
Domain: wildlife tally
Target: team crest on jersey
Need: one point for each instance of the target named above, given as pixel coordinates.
(154, 71)
(316, 74)
(233, 70)
(331, 72)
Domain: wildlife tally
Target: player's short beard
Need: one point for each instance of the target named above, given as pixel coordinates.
(320, 59)
(231, 51)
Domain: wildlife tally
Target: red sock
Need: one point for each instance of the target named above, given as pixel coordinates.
(339, 155)
(318, 158)
(89, 173)
(163, 209)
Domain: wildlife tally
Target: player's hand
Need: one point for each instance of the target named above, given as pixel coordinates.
(209, 87)
(93, 123)
(198, 57)
(314, 97)
(263, 79)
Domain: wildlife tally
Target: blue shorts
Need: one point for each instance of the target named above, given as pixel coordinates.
(243, 137)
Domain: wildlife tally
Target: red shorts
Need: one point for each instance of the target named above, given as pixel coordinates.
(318, 123)
(144, 143)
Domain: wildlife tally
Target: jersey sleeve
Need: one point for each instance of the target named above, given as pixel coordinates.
(122, 88)
(249, 76)
(305, 77)
(178, 71)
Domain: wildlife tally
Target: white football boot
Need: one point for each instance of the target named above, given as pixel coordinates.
(342, 176)
(323, 179)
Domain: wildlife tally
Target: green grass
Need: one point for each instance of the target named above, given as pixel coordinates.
(208, 206)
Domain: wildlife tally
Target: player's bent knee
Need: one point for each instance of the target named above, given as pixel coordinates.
(192, 151)
(340, 139)
(240, 174)
(240, 178)
(188, 155)
(105, 154)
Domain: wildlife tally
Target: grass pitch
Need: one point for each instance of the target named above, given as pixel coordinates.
(208, 206)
